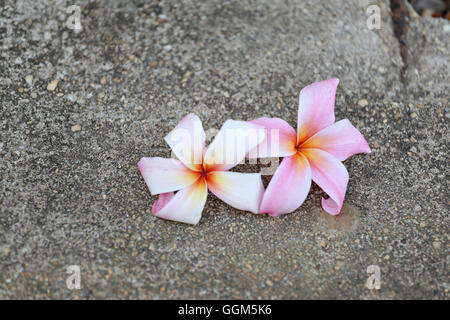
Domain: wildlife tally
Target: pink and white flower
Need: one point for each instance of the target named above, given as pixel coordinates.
(314, 152)
(199, 169)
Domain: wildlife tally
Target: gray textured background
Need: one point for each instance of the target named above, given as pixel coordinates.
(76, 197)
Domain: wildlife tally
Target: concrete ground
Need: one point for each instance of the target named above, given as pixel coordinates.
(78, 110)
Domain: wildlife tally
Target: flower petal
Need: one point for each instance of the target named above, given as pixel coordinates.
(164, 175)
(232, 143)
(240, 190)
(187, 141)
(280, 139)
(162, 200)
(341, 140)
(316, 108)
(185, 206)
(330, 174)
(288, 187)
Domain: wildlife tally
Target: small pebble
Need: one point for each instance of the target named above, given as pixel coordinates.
(29, 80)
(52, 85)
(76, 127)
(436, 244)
(186, 76)
(107, 66)
(269, 283)
(363, 103)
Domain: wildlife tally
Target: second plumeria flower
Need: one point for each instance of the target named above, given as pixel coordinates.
(314, 152)
(199, 169)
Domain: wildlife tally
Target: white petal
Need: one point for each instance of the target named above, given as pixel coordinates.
(234, 140)
(240, 190)
(185, 206)
(187, 141)
(164, 175)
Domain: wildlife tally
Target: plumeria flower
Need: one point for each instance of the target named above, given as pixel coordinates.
(313, 153)
(199, 169)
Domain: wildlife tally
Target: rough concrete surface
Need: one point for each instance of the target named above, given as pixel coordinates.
(78, 110)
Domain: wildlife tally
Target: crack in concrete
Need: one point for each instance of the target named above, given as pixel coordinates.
(400, 17)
